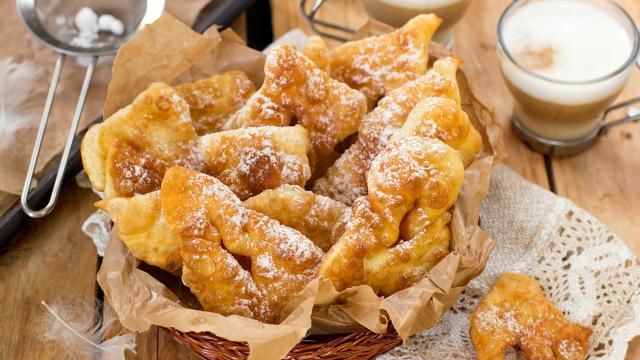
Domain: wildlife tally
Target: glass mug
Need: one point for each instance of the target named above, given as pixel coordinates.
(397, 12)
(559, 116)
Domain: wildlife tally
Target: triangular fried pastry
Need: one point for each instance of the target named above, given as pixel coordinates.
(316, 50)
(378, 64)
(140, 224)
(213, 100)
(443, 119)
(297, 91)
(219, 235)
(252, 160)
(414, 180)
(128, 153)
(515, 312)
(318, 217)
(346, 179)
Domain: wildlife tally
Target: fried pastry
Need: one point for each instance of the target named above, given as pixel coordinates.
(443, 119)
(515, 312)
(399, 231)
(213, 100)
(129, 152)
(219, 235)
(140, 224)
(254, 159)
(317, 217)
(316, 50)
(295, 90)
(379, 64)
(346, 179)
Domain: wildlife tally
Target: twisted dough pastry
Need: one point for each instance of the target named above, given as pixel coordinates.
(254, 159)
(443, 119)
(317, 217)
(235, 260)
(377, 65)
(346, 179)
(295, 89)
(515, 312)
(140, 223)
(129, 152)
(399, 231)
(213, 100)
(316, 50)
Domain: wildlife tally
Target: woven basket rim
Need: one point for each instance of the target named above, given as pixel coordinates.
(363, 344)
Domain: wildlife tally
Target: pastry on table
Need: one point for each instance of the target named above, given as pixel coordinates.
(296, 90)
(318, 217)
(345, 180)
(251, 160)
(379, 64)
(399, 231)
(213, 100)
(129, 152)
(515, 312)
(235, 260)
(140, 224)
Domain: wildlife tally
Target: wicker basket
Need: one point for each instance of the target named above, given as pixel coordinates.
(361, 345)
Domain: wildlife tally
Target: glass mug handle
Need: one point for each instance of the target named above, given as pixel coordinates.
(633, 113)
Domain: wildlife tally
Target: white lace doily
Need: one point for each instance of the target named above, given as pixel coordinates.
(585, 269)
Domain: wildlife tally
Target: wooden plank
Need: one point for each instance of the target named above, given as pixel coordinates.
(475, 43)
(51, 260)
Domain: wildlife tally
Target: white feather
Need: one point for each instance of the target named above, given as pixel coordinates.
(74, 327)
(17, 110)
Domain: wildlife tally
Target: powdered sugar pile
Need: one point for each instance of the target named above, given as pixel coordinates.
(88, 25)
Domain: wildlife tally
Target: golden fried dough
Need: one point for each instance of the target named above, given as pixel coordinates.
(346, 179)
(213, 100)
(316, 50)
(294, 89)
(412, 184)
(129, 152)
(254, 159)
(379, 64)
(515, 312)
(443, 119)
(139, 222)
(317, 217)
(219, 235)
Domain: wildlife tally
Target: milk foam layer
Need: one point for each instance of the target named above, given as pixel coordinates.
(566, 40)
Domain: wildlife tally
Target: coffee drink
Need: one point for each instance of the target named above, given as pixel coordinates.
(565, 61)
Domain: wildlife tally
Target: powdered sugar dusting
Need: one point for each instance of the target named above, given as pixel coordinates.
(346, 179)
(252, 160)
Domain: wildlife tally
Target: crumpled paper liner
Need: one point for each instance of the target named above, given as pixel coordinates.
(19, 45)
(142, 300)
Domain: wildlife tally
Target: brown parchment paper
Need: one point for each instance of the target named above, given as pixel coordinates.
(142, 300)
(21, 47)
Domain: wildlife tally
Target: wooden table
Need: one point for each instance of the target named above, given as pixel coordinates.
(52, 260)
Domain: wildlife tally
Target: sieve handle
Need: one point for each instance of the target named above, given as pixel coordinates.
(40, 136)
(315, 23)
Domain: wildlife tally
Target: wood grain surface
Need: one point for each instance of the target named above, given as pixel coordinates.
(52, 258)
